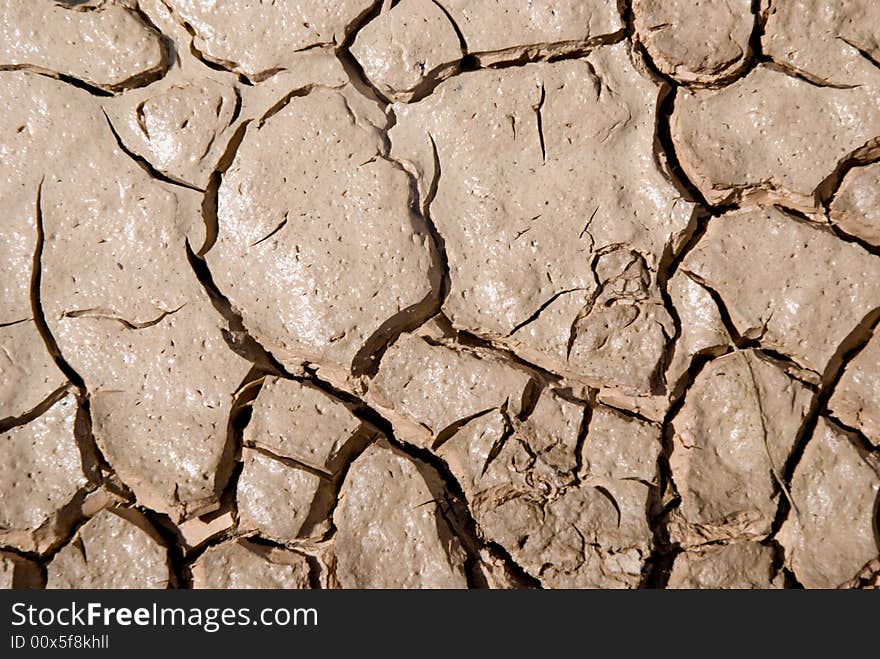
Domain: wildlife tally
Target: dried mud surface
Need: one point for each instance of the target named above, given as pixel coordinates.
(440, 294)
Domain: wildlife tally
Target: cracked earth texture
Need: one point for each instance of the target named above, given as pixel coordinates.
(440, 294)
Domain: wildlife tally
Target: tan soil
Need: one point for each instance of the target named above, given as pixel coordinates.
(440, 294)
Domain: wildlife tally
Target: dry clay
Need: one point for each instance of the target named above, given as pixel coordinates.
(439, 294)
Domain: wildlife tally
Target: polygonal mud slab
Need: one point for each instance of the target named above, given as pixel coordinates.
(501, 157)
(243, 564)
(693, 41)
(114, 549)
(831, 531)
(324, 257)
(741, 565)
(733, 436)
(391, 532)
(120, 297)
(43, 475)
(106, 45)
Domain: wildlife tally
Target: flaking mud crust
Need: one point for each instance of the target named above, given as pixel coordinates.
(439, 294)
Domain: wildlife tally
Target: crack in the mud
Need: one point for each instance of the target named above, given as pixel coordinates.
(39, 315)
(212, 190)
(466, 528)
(107, 314)
(224, 66)
(9, 422)
(237, 336)
(145, 164)
(70, 80)
(452, 504)
(848, 350)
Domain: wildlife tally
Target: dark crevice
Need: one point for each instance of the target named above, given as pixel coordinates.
(74, 522)
(227, 475)
(144, 163)
(470, 340)
(790, 580)
(359, 79)
(830, 227)
(224, 66)
(368, 358)
(801, 217)
(462, 522)
(453, 506)
(106, 314)
(777, 565)
(666, 268)
(559, 51)
(658, 565)
(580, 443)
(866, 154)
(289, 462)
(804, 76)
(840, 234)
(329, 489)
(349, 62)
(857, 435)
(70, 80)
(622, 411)
(462, 43)
(539, 120)
(237, 337)
(37, 301)
(791, 367)
(96, 467)
(283, 102)
(532, 318)
(520, 578)
(530, 396)
(37, 411)
(828, 189)
(236, 110)
(666, 156)
(664, 274)
(637, 49)
(180, 575)
(756, 45)
(507, 433)
(864, 54)
(436, 236)
(848, 350)
(315, 570)
(698, 361)
(169, 53)
(278, 228)
(212, 190)
(449, 431)
(605, 492)
(752, 337)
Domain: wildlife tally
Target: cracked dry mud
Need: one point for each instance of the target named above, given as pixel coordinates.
(440, 294)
